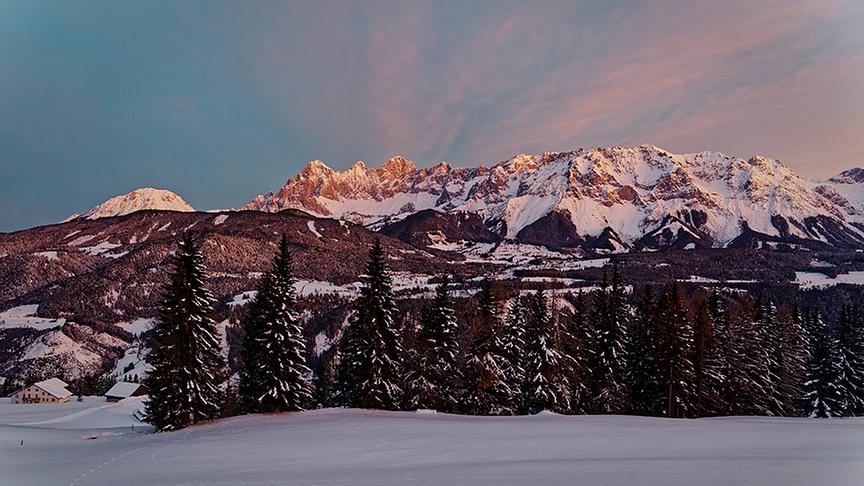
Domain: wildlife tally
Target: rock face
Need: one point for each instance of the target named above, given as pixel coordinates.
(428, 227)
(555, 229)
(854, 175)
(647, 197)
(138, 200)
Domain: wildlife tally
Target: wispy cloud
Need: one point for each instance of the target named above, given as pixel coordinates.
(523, 78)
(152, 93)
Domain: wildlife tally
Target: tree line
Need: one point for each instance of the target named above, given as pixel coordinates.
(605, 350)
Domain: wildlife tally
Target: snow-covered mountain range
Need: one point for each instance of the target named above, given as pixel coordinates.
(642, 197)
(605, 199)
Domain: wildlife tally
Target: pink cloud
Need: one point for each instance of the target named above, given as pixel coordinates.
(527, 79)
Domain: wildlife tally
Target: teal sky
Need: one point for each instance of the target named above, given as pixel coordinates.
(220, 101)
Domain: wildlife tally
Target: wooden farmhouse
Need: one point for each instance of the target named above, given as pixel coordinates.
(124, 389)
(48, 391)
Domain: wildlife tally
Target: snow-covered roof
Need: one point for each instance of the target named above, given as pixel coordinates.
(123, 389)
(56, 381)
(54, 386)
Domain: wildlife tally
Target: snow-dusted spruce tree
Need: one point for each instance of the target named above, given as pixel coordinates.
(546, 386)
(433, 383)
(643, 375)
(768, 322)
(800, 341)
(796, 355)
(513, 351)
(719, 315)
(487, 389)
(188, 367)
(823, 394)
(250, 371)
(747, 373)
(850, 337)
(608, 346)
(417, 383)
(574, 345)
(324, 385)
(675, 332)
(274, 376)
(709, 362)
(369, 369)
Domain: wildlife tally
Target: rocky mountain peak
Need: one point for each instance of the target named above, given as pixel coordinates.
(358, 166)
(397, 168)
(139, 200)
(315, 169)
(854, 175)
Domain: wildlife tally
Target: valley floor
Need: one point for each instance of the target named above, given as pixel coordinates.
(93, 443)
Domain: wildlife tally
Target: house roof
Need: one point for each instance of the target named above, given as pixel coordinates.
(123, 389)
(54, 386)
(56, 381)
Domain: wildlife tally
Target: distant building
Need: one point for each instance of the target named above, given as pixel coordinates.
(124, 389)
(48, 391)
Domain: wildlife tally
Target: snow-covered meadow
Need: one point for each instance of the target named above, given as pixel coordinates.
(93, 443)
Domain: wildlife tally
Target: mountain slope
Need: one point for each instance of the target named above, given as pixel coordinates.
(119, 263)
(138, 200)
(633, 192)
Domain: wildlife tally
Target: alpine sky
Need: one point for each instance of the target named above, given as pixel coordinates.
(219, 101)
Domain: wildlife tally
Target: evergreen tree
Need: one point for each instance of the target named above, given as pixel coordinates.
(513, 351)
(487, 388)
(418, 382)
(748, 385)
(546, 386)
(774, 353)
(369, 371)
(608, 346)
(274, 375)
(709, 364)
(719, 315)
(823, 394)
(187, 364)
(324, 393)
(850, 337)
(575, 339)
(251, 372)
(675, 333)
(795, 358)
(643, 375)
(434, 382)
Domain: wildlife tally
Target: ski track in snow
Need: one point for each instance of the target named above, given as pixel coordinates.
(67, 418)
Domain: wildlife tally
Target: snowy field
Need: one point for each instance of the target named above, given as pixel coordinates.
(93, 443)
(811, 280)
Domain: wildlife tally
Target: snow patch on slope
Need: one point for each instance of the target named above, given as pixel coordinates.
(25, 316)
(311, 225)
(100, 248)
